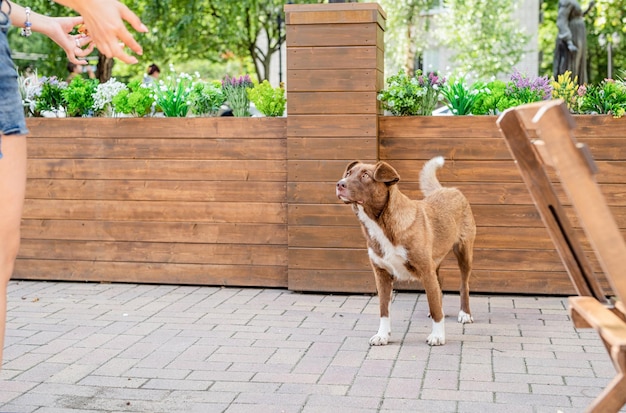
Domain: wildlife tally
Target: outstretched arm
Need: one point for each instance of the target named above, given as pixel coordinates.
(58, 29)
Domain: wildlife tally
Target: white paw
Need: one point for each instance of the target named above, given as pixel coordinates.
(438, 335)
(379, 340)
(435, 340)
(465, 318)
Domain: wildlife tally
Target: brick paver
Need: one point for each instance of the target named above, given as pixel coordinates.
(86, 347)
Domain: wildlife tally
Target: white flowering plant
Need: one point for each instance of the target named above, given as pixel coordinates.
(172, 95)
(104, 94)
(29, 86)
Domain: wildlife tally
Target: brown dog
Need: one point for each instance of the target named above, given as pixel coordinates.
(409, 239)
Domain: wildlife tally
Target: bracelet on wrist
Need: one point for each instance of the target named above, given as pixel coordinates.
(26, 30)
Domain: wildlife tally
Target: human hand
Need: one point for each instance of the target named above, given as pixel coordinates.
(104, 22)
(76, 46)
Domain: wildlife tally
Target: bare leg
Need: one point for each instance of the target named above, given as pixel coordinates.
(384, 286)
(12, 190)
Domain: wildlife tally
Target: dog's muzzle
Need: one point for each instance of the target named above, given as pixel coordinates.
(341, 190)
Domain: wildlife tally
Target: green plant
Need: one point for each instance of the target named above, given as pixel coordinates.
(172, 95)
(104, 94)
(408, 96)
(461, 98)
(609, 97)
(206, 98)
(136, 100)
(494, 100)
(50, 95)
(269, 100)
(236, 93)
(78, 96)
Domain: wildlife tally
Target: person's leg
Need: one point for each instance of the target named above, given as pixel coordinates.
(12, 191)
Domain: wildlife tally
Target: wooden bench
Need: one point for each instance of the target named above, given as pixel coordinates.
(539, 137)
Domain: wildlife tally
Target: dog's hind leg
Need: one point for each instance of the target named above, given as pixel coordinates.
(384, 286)
(464, 254)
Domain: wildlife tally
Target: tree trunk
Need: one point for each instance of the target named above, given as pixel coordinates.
(105, 68)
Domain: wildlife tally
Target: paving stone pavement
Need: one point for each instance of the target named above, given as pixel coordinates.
(88, 347)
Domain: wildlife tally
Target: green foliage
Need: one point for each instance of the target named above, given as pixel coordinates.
(268, 100)
(462, 98)
(235, 90)
(494, 100)
(172, 95)
(136, 100)
(608, 97)
(485, 38)
(411, 95)
(206, 98)
(50, 96)
(407, 20)
(78, 96)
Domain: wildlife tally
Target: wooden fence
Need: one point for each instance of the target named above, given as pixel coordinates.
(251, 202)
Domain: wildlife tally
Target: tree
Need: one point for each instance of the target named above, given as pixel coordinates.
(483, 36)
(406, 36)
(257, 29)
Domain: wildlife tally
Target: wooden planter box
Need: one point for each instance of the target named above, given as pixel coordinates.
(251, 202)
(206, 201)
(189, 201)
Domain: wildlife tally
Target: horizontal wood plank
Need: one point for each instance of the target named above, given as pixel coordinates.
(156, 273)
(149, 252)
(142, 190)
(362, 57)
(331, 126)
(168, 232)
(172, 128)
(337, 13)
(333, 103)
(331, 148)
(155, 148)
(192, 170)
(156, 211)
(333, 80)
(333, 34)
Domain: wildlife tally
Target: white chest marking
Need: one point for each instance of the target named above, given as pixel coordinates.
(394, 257)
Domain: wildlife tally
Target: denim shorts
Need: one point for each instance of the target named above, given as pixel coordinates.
(11, 111)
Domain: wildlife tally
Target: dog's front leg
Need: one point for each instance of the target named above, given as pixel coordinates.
(433, 293)
(384, 286)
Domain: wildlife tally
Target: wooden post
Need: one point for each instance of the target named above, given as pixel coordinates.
(335, 69)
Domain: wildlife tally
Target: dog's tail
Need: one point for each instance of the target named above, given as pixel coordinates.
(428, 176)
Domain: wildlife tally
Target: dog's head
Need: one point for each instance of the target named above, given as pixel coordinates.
(366, 183)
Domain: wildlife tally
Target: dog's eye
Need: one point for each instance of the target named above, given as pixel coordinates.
(348, 173)
(365, 175)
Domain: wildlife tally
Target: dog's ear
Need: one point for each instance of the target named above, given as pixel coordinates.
(351, 165)
(385, 173)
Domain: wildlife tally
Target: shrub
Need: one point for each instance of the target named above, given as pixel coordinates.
(269, 100)
(609, 97)
(136, 100)
(407, 96)
(206, 99)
